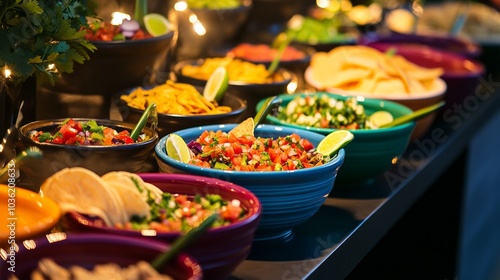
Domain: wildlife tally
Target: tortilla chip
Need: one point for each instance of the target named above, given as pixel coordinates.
(390, 86)
(246, 127)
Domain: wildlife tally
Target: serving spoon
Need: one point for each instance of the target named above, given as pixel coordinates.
(414, 116)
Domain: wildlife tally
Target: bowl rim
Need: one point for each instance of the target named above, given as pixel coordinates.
(477, 70)
(287, 74)
(306, 50)
(36, 125)
(100, 43)
(243, 106)
(438, 91)
(60, 239)
(255, 211)
(244, 5)
(468, 47)
(288, 97)
(161, 154)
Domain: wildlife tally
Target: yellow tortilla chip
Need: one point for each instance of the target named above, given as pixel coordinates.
(246, 127)
(390, 86)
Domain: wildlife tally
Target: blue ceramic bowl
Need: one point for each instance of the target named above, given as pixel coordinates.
(288, 198)
(372, 150)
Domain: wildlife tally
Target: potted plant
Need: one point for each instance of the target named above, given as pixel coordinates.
(39, 39)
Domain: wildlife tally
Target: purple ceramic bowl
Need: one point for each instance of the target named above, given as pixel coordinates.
(220, 250)
(461, 74)
(86, 250)
(450, 44)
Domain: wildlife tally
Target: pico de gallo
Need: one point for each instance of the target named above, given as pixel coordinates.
(72, 132)
(177, 212)
(225, 151)
(323, 111)
(105, 31)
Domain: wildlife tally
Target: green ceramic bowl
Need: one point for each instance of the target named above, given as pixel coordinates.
(372, 151)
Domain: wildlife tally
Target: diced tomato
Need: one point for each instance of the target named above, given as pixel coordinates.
(57, 140)
(67, 132)
(125, 138)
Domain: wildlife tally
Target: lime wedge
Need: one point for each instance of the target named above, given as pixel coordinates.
(216, 85)
(177, 148)
(334, 141)
(156, 24)
(379, 118)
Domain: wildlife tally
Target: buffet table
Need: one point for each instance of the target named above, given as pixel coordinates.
(359, 227)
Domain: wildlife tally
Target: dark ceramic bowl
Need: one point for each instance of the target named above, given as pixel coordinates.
(248, 92)
(372, 151)
(168, 123)
(115, 66)
(461, 74)
(289, 198)
(220, 250)
(100, 159)
(87, 250)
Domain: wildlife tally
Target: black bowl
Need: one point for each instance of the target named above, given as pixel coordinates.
(249, 92)
(100, 159)
(168, 123)
(116, 65)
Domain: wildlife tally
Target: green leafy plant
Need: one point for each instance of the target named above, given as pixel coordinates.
(42, 38)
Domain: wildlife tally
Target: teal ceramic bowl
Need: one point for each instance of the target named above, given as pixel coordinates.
(372, 151)
(288, 198)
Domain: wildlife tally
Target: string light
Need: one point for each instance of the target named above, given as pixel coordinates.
(118, 17)
(7, 72)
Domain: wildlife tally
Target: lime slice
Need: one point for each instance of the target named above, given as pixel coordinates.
(334, 141)
(156, 24)
(177, 148)
(216, 85)
(380, 118)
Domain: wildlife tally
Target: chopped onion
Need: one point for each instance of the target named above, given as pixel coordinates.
(130, 25)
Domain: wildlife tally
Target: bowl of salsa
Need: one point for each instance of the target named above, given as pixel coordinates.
(288, 175)
(97, 144)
